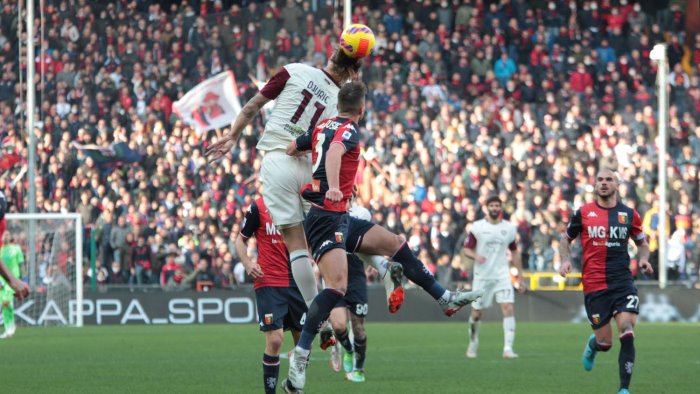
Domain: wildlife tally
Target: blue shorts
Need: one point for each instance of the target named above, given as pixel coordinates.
(603, 305)
(356, 299)
(280, 307)
(326, 230)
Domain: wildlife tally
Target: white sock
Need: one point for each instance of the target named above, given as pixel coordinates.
(444, 298)
(508, 332)
(303, 352)
(378, 262)
(304, 275)
(474, 329)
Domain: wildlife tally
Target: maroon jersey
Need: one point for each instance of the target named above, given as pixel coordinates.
(605, 233)
(331, 131)
(272, 253)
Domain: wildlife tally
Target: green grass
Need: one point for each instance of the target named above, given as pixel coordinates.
(402, 358)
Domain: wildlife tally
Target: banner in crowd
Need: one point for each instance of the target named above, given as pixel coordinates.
(238, 306)
(212, 104)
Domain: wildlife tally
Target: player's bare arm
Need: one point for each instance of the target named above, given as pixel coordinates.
(252, 268)
(333, 159)
(517, 262)
(471, 253)
(643, 251)
(220, 148)
(21, 289)
(293, 150)
(565, 253)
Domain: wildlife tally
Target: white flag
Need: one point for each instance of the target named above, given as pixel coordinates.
(213, 103)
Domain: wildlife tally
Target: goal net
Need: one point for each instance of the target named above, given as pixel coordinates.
(53, 266)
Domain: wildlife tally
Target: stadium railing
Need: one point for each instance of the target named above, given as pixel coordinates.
(552, 281)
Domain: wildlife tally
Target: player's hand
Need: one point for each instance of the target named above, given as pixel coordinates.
(480, 259)
(334, 195)
(255, 272)
(646, 267)
(565, 268)
(520, 285)
(21, 289)
(220, 148)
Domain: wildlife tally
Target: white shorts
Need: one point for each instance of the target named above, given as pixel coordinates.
(282, 177)
(503, 290)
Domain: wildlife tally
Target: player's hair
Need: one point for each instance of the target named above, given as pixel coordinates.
(351, 97)
(343, 66)
(493, 198)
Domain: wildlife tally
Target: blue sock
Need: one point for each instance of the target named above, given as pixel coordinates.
(415, 270)
(319, 310)
(271, 370)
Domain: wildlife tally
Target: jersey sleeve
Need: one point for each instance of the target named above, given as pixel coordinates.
(303, 142)
(574, 228)
(470, 243)
(251, 221)
(637, 233)
(274, 86)
(348, 135)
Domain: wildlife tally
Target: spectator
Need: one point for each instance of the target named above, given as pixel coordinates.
(170, 269)
(504, 68)
(117, 240)
(117, 275)
(141, 268)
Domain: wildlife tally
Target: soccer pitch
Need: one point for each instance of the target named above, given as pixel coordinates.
(401, 358)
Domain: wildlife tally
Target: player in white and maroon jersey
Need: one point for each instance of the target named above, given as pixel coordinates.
(488, 244)
(304, 95)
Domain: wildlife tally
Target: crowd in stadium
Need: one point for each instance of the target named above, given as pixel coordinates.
(468, 98)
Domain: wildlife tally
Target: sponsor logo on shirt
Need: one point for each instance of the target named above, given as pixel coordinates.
(294, 130)
(612, 232)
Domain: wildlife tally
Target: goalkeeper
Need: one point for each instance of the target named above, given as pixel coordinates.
(12, 257)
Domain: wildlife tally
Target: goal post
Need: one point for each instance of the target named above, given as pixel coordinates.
(57, 266)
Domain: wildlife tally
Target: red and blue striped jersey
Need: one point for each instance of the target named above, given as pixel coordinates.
(605, 233)
(331, 131)
(272, 252)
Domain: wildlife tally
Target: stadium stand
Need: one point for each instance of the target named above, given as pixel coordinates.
(522, 98)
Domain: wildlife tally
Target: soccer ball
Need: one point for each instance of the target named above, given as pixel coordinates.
(357, 41)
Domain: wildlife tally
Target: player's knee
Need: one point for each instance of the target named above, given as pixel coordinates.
(626, 327)
(476, 315)
(338, 326)
(626, 331)
(338, 289)
(274, 343)
(398, 241)
(507, 310)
